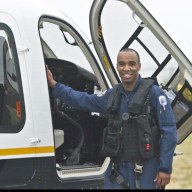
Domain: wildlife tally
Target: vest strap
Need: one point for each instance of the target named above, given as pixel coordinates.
(137, 104)
(138, 171)
(116, 176)
(114, 98)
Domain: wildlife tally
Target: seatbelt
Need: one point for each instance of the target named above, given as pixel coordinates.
(116, 176)
(138, 171)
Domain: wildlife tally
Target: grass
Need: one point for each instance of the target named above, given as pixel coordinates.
(182, 166)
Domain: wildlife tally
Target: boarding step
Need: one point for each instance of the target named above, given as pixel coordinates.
(78, 168)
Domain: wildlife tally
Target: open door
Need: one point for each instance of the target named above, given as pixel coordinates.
(78, 133)
(130, 24)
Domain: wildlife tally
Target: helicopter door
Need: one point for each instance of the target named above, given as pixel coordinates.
(115, 25)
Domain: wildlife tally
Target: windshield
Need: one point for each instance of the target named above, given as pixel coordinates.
(63, 44)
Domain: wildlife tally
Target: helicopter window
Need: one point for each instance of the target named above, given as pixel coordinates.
(63, 45)
(11, 110)
(182, 103)
(156, 61)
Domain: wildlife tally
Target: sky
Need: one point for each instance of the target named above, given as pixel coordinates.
(174, 15)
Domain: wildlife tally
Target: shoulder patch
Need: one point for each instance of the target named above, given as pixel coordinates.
(101, 93)
(162, 101)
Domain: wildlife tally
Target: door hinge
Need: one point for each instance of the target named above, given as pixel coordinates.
(22, 50)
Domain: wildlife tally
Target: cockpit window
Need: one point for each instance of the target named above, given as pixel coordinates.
(11, 97)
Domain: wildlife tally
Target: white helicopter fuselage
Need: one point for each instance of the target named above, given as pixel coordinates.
(46, 144)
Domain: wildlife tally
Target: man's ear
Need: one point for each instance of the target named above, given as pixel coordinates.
(139, 66)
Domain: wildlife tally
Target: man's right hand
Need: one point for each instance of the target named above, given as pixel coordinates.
(50, 79)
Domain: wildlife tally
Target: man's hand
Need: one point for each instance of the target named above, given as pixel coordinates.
(162, 179)
(50, 79)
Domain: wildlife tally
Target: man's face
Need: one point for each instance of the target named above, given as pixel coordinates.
(128, 67)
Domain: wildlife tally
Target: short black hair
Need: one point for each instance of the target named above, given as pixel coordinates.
(130, 49)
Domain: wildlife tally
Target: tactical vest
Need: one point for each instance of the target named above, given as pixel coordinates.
(135, 135)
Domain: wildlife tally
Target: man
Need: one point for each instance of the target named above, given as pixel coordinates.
(155, 165)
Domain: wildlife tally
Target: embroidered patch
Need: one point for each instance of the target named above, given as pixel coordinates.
(100, 93)
(163, 101)
(103, 93)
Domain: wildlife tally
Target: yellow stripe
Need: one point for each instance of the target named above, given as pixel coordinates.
(29, 150)
(100, 33)
(106, 62)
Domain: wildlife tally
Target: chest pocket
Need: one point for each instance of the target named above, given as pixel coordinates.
(148, 137)
(112, 137)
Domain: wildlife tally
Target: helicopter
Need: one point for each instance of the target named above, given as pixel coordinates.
(46, 144)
